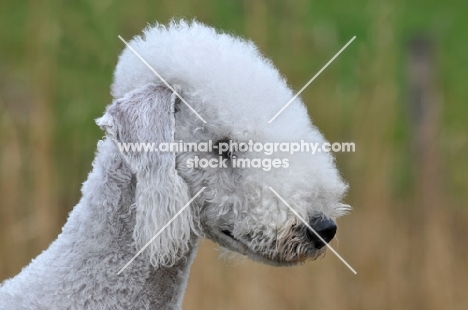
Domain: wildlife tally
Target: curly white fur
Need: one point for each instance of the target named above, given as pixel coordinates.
(147, 114)
(130, 196)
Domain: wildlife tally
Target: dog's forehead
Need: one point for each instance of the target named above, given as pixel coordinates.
(290, 126)
(221, 76)
(193, 55)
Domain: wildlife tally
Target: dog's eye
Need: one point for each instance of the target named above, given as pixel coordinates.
(222, 148)
(177, 105)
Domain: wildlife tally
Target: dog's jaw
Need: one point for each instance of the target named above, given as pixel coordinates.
(274, 258)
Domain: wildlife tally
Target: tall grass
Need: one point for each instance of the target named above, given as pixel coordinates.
(406, 234)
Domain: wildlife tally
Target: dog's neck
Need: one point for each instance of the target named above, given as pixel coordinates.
(166, 286)
(79, 269)
(163, 287)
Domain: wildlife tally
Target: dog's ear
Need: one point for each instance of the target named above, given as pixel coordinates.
(146, 115)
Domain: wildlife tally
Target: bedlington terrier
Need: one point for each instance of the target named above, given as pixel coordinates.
(131, 195)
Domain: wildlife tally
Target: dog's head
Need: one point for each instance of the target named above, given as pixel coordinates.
(236, 91)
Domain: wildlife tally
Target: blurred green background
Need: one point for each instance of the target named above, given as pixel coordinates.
(398, 91)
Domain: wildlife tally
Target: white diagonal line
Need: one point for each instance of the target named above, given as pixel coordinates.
(313, 230)
(160, 231)
(311, 80)
(162, 79)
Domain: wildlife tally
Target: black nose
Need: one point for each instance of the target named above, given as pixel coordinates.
(325, 227)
